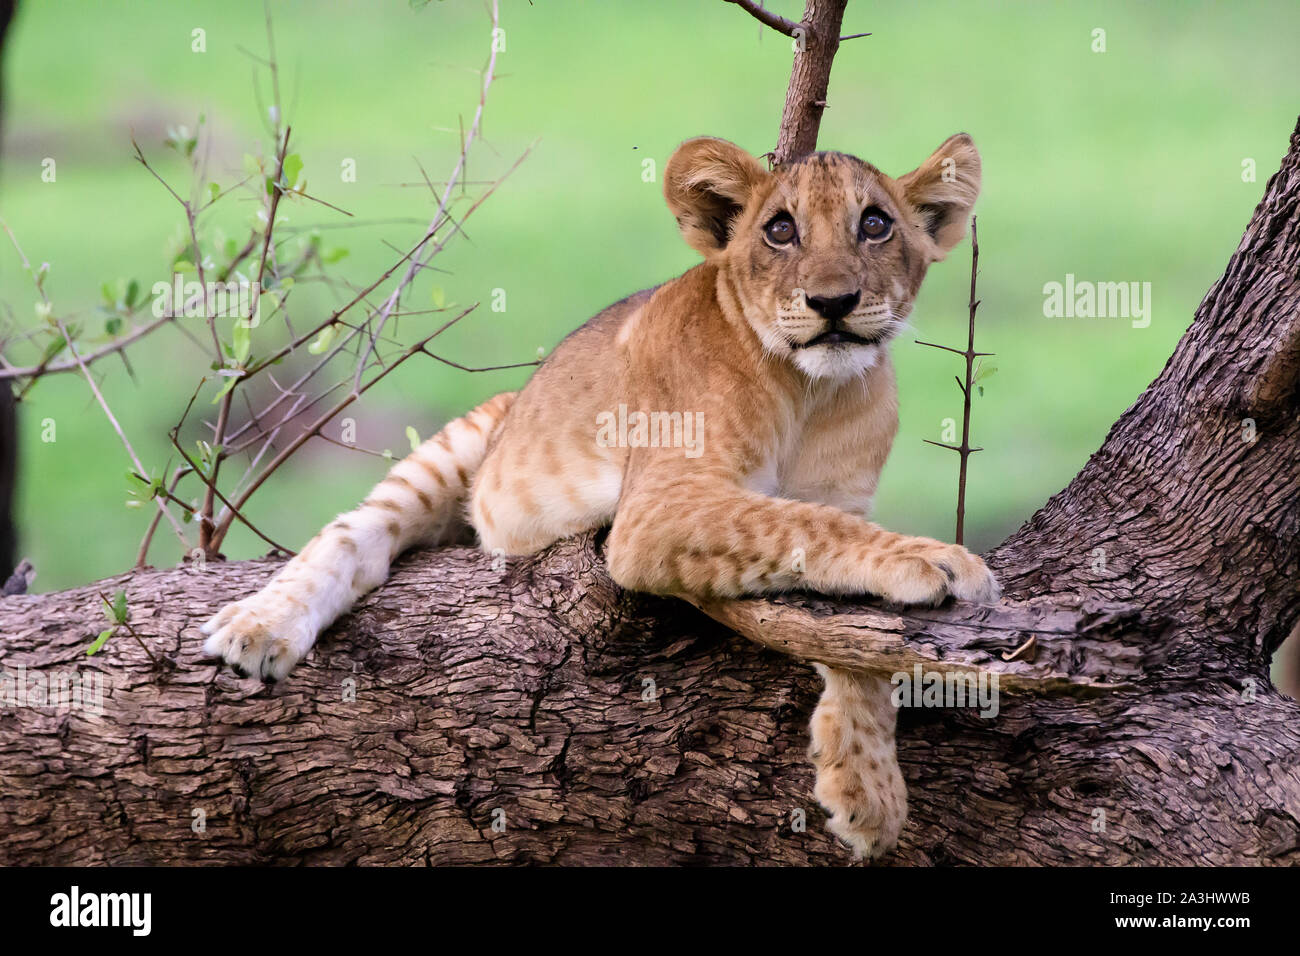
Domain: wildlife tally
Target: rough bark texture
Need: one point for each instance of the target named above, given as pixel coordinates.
(805, 97)
(1140, 728)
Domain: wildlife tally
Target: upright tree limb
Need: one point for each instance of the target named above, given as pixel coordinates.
(805, 97)
(817, 38)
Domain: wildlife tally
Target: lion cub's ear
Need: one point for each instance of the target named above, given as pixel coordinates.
(943, 190)
(707, 183)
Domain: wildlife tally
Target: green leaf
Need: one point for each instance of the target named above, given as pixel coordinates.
(113, 325)
(322, 341)
(332, 256)
(439, 297)
(99, 642)
(292, 169)
(230, 383)
(243, 342)
(213, 192)
(119, 606)
(132, 293)
(183, 266)
(57, 345)
(413, 437)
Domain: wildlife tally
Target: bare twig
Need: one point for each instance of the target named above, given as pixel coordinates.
(206, 524)
(766, 17)
(142, 554)
(365, 339)
(467, 139)
(311, 430)
(964, 450)
(112, 420)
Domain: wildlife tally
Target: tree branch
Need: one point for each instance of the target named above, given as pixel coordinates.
(777, 22)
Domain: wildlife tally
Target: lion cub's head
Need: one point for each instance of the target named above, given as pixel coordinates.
(824, 255)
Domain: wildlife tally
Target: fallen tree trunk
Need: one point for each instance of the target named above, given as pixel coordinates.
(540, 714)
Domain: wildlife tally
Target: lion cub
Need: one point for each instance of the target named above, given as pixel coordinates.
(731, 424)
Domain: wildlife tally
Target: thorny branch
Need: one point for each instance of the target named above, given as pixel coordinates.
(964, 450)
(257, 433)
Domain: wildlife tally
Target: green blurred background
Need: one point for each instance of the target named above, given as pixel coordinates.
(1117, 166)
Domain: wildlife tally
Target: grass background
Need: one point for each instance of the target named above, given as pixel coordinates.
(1117, 166)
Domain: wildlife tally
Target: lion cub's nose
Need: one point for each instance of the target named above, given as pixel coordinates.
(834, 307)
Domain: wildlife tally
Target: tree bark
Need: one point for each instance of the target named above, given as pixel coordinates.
(539, 714)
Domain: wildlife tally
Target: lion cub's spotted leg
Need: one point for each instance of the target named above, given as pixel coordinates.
(858, 780)
(420, 502)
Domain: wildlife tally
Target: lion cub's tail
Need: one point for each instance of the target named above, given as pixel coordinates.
(424, 494)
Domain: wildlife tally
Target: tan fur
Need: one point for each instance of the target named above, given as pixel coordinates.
(775, 493)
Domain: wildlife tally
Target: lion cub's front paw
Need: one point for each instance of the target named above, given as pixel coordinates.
(925, 572)
(261, 636)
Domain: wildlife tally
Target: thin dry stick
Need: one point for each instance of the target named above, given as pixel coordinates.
(49, 367)
(210, 480)
(212, 486)
(316, 426)
(964, 449)
(112, 419)
(440, 215)
(142, 553)
(363, 338)
(206, 524)
(777, 22)
(129, 629)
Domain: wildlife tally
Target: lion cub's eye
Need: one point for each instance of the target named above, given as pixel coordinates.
(781, 229)
(875, 224)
